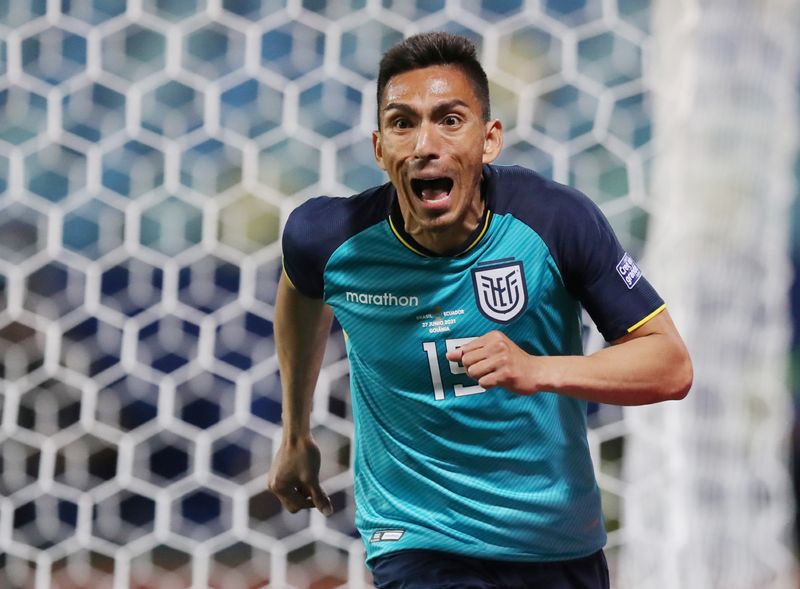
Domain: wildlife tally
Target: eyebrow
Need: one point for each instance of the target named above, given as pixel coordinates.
(437, 109)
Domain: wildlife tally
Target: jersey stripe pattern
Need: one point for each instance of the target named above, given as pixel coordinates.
(441, 463)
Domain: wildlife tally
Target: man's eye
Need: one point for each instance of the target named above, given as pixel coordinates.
(401, 124)
(451, 121)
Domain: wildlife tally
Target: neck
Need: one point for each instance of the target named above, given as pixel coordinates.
(449, 239)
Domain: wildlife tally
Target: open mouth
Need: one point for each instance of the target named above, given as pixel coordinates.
(432, 189)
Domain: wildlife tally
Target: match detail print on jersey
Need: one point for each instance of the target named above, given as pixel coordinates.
(500, 289)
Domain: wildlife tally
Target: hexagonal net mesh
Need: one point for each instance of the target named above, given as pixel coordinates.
(149, 152)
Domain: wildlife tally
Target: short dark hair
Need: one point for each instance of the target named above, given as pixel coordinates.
(431, 49)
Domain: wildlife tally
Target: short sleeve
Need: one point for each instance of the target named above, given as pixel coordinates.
(303, 259)
(319, 226)
(600, 273)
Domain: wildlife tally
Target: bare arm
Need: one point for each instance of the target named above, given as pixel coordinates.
(301, 326)
(649, 365)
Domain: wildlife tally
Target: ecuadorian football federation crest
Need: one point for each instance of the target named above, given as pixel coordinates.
(500, 289)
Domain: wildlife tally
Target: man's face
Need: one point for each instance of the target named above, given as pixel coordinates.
(433, 142)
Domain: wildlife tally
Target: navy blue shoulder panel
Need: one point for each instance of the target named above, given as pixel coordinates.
(595, 268)
(316, 228)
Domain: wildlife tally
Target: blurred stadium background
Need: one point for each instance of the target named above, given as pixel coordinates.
(150, 151)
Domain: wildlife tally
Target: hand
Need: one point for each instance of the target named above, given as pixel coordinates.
(495, 361)
(294, 477)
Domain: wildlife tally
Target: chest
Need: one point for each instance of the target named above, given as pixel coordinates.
(386, 296)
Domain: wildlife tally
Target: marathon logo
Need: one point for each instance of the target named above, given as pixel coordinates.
(386, 299)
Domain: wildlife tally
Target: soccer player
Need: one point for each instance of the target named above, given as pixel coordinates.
(459, 286)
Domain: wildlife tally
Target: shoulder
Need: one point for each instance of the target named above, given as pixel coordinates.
(546, 206)
(317, 227)
(332, 219)
(331, 214)
(575, 231)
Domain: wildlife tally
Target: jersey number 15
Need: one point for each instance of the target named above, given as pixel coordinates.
(455, 369)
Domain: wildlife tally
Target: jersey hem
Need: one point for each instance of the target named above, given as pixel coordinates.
(484, 554)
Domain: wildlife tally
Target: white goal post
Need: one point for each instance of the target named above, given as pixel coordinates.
(709, 502)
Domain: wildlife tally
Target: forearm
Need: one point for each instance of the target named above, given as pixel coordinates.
(648, 365)
(644, 370)
(301, 328)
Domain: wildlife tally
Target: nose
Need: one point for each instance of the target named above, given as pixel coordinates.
(427, 141)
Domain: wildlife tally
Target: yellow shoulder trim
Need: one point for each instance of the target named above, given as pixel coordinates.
(481, 234)
(464, 251)
(403, 241)
(636, 326)
(286, 274)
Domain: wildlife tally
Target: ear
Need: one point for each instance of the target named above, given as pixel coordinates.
(378, 149)
(493, 141)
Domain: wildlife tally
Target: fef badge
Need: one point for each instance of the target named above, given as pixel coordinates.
(500, 289)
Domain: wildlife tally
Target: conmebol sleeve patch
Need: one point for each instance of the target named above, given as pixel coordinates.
(629, 271)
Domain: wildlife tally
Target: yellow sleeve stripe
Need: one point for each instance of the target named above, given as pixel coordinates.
(403, 241)
(286, 274)
(636, 326)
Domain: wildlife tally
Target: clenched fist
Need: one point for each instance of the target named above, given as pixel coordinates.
(495, 361)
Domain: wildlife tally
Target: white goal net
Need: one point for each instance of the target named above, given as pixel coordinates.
(150, 151)
(709, 502)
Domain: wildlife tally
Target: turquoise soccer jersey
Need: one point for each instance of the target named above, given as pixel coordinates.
(441, 463)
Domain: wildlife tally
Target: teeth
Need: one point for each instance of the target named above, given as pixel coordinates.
(433, 194)
(432, 190)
